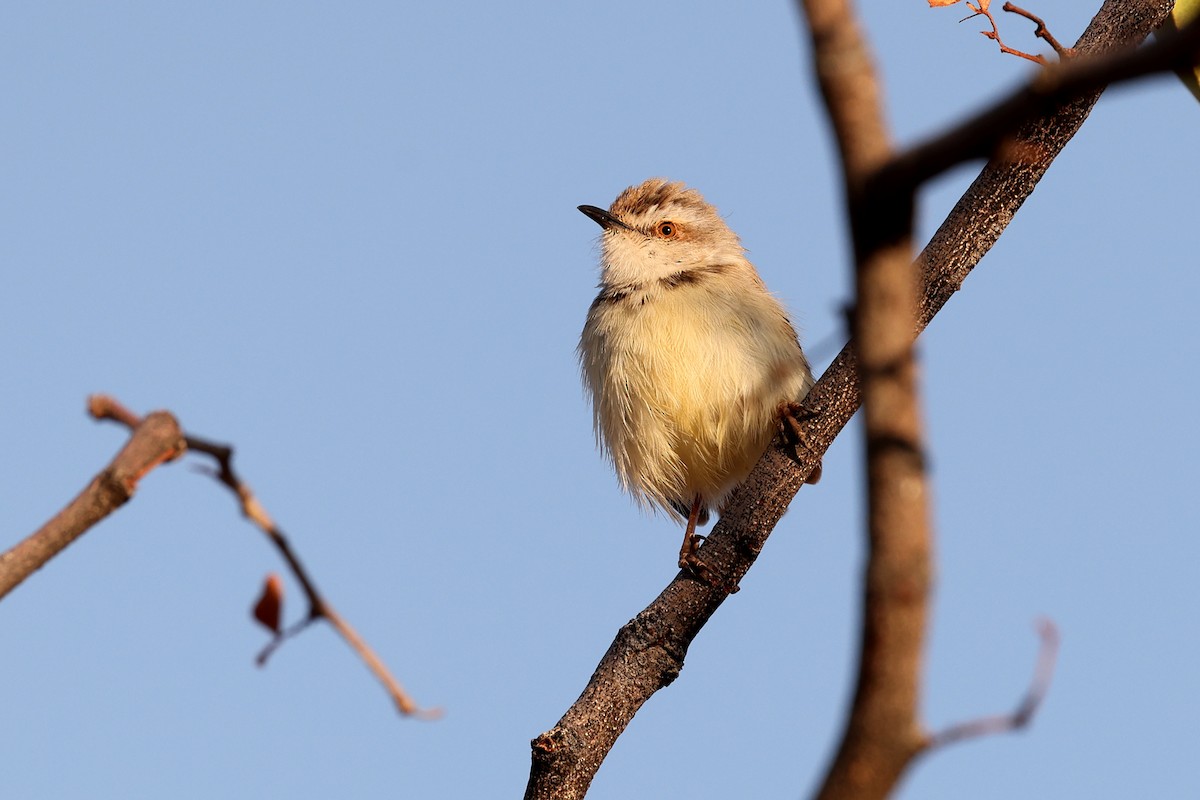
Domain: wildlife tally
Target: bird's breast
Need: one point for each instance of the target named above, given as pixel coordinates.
(686, 379)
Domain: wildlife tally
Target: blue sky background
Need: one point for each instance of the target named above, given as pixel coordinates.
(345, 240)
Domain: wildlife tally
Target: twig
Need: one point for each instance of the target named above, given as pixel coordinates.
(1041, 32)
(104, 407)
(1078, 81)
(994, 34)
(1021, 716)
(153, 441)
(282, 636)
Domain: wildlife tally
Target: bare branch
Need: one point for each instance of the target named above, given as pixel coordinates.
(994, 35)
(1041, 31)
(883, 731)
(1021, 716)
(153, 441)
(1078, 82)
(845, 75)
(103, 407)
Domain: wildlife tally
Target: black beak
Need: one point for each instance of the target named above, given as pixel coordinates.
(603, 218)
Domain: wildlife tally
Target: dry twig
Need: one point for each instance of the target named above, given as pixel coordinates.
(982, 8)
(1041, 31)
(104, 407)
(1023, 713)
(994, 35)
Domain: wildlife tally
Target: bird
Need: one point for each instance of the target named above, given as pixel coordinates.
(687, 357)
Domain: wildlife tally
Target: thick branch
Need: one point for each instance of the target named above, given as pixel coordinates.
(152, 441)
(883, 731)
(648, 653)
(846, 77)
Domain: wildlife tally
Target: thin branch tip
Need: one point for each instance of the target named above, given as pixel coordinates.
(107, 407)
(425, 714)
(1021, 716)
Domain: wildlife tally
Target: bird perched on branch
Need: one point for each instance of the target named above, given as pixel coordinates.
(688, 359)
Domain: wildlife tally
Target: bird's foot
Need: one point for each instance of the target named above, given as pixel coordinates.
(691, 563)
(694, 566)
(793, 433)
(687, 553)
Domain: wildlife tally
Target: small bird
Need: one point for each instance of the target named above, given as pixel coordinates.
(688, 359)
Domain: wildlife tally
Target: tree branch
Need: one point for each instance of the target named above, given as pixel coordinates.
(883, 731)
(1074, 83)
(1041, 31)
(103, 407)
(1023, 713)
(648, 652)
(153, 441)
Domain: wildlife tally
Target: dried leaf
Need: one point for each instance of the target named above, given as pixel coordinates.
(269, 607)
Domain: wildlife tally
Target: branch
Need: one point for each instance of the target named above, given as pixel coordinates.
(994, 34)
(1023, 713)
(153, 441)
(1040, 32)
(103, 407)
(1076, 82)
(318, 606)
(883, 731)
(648, 652)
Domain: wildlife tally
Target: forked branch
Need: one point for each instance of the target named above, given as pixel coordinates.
(104, 407)
(155, 439)
(1041, 31)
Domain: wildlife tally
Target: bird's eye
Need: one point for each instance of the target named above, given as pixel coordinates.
(665, 229)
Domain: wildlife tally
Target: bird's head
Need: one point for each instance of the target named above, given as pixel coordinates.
(658, 229)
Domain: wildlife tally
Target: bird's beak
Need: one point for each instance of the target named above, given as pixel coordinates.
(603, 218)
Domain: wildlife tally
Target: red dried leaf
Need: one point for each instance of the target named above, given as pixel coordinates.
(269, 607)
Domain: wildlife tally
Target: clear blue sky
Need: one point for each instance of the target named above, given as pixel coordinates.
(345, 240)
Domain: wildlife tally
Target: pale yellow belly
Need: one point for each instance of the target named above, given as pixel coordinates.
(686, 403)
